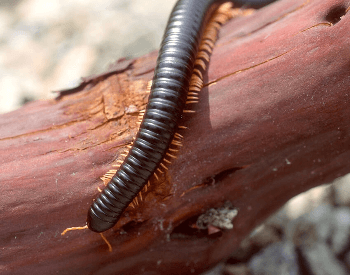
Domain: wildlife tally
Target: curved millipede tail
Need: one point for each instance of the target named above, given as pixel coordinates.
(177, 80)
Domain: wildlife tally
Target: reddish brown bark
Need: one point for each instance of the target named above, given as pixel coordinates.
(273, 122)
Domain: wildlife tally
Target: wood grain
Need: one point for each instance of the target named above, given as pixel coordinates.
(272, 122)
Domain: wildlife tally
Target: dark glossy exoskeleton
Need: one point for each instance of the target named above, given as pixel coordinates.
(167, 100)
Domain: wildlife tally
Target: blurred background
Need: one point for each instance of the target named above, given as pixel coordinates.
(49, 45)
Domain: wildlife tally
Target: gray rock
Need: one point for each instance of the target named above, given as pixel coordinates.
(312, 227)
(321, 260)
(342, 190)
(341, 230)
(238, 269)
(279, 258)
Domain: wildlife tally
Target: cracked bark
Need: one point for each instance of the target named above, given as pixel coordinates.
(271, 123)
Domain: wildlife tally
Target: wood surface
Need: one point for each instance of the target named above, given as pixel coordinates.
(272, 122)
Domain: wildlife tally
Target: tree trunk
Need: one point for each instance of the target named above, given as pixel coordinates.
(272, 122)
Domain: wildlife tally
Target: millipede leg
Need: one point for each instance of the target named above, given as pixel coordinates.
(107, 242)
(74, 228)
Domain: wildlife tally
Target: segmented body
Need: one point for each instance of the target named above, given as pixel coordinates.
(167, 100)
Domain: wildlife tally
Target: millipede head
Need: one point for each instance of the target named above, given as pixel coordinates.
(95, 224)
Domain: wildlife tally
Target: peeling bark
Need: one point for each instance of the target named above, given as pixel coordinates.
(272, 122)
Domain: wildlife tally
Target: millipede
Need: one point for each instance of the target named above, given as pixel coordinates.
(187, 43)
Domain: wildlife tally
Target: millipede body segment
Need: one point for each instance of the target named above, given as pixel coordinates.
(168, 97)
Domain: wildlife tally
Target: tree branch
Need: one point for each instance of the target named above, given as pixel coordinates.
(272, 122)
